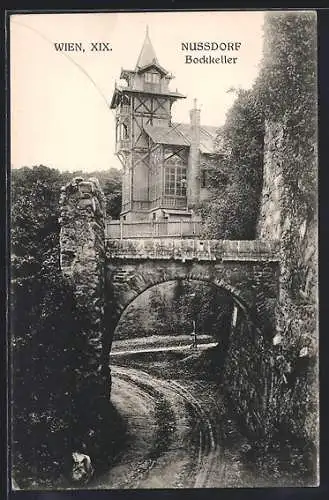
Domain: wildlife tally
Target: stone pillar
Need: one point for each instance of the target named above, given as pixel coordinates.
(193, 176)
(82, 258)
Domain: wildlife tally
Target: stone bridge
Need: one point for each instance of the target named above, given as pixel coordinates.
(108, 274)
(247, 270)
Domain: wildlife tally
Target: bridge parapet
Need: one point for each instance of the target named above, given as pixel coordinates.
(193, 249)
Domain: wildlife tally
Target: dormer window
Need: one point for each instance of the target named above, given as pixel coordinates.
(152, 78)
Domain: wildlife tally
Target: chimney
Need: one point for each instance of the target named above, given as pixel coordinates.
(193, 177)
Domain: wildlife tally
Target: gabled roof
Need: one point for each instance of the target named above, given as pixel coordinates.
(153, 65)
(207, 136)
(180, 134)
(166, 135)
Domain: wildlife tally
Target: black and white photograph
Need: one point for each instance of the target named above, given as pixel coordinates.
(163, 250)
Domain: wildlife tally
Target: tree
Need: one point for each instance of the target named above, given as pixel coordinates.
(41, 319)
(111, 183)
(236, 182)
(47, 348)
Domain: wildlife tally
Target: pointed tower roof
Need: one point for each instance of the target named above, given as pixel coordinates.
(147, 56)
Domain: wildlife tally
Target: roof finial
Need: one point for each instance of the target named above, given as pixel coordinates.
(147, 29)
(194, 103)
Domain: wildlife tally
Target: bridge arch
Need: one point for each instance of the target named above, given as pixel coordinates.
(233, 295)
(219, 284)
(251, 284)
(244, 348)
(126, 282)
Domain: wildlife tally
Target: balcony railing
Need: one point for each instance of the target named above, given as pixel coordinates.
(152, 229)
(174, 201)
(166, 202)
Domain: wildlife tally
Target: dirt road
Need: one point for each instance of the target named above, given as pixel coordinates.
(172, 440)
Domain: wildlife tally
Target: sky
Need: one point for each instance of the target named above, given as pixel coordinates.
(60, 115)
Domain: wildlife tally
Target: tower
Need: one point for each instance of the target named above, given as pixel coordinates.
(144, 102)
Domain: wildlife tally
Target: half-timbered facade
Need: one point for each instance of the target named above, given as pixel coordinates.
(164, 163)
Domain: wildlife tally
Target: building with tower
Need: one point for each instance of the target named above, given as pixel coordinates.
(164, 163)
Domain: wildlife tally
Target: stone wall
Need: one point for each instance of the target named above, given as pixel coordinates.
(289, 214)
(249, 382)
(269, 223)
(82, 257)
(192, 249)
(272, 383)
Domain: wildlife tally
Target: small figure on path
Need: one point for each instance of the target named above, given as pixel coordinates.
(195, 342)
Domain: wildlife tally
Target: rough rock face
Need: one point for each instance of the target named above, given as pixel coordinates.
(269, 224)
(289, 214)
(82, 254)
(249, 381)
(273, 381)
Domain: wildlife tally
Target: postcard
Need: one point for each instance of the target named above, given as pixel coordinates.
(164, 252)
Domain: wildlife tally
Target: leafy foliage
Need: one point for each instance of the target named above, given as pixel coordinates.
(285, 94)
(285, 91)
(289, 72)
(46, 343)
(288, 69)
(236, 183)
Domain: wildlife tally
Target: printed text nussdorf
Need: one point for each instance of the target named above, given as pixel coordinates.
(222, 46)
(229, 48)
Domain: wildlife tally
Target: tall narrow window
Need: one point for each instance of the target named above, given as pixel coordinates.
(170, 180)
(123, 131)
(175, 180)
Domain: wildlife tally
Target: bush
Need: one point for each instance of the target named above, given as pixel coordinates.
(47, 349)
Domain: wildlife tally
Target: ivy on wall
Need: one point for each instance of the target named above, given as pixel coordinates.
(283, 102)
